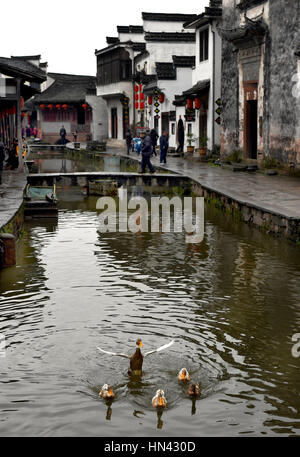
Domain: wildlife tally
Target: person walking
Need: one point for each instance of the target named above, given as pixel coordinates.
(2, 158)
(28, 131)
(63, 135)
(147, 152)
(180, 135)
(164, 146)
(128, 141)
(154, 138)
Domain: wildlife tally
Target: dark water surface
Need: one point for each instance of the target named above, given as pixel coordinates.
(232, 304)
(46, 161)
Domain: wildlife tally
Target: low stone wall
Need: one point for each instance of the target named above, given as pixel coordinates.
(271, 223)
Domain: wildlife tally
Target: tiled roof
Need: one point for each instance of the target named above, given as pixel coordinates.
(130, 29)
(208, 14)
(168, 17)
(184, 61)
(37, 57)
(139, 47)
(67, 89)
(165, 70)
(170, 36)
(16, 67)
(150, 87)
(201, 85)
(245, 4)
(112, 40)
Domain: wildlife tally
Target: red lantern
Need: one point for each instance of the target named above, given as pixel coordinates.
(150, 99)
(136, 97)
(189, 103)
(50, 107)
(142, 104)
(141, 87)
(136, 88)
(136, 105)
(43, 106)
(142, 96)
(58, 107)
(84, 106)
(197, 103)
(161, 98)
(64, 106)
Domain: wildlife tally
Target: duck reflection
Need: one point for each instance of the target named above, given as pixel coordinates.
(160, 422)
(109, 409)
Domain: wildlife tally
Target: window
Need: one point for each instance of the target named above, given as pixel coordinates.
(190, 130)
(204, 37)
(173, 128)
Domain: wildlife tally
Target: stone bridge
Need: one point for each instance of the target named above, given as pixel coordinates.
(128, 179)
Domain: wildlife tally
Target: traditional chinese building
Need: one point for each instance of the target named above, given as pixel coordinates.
(20, 79)
(164, 69)
(198, 105)
(115, 68)
(260, 67)
(71, 101)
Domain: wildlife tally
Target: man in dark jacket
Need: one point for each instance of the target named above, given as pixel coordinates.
(2, 157)
(147, 152)
(128, 141)
(63, 135)
(154, 138)
(180, 135)
(164, 146)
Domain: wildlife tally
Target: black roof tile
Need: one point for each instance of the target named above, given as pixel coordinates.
(165, 70)
(67, 89)
(184, 61)
(130, 29)
(168, 17)
(16, 67)
(170, 36)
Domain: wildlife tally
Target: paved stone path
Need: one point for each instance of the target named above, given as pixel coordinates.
(11, 195)
(277, 194)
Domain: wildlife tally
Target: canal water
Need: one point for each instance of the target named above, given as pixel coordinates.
(47, 161)
(231, 303)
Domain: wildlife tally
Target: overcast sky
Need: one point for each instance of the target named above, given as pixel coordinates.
(67, 32)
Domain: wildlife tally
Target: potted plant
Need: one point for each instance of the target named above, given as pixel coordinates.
(203, 145)
(190, 140)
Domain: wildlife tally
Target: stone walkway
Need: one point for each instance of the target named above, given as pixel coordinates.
(278, 195)
(11, 195)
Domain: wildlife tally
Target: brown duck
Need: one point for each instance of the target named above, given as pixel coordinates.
(136, 360)
(194, 390)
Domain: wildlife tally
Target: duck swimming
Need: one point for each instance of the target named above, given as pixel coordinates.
(194, 390)
(183, 375)
(159, 400)
(136, 359)
(107, 392)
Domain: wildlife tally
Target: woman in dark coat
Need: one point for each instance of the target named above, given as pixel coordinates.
(180, 135)
(128, 141)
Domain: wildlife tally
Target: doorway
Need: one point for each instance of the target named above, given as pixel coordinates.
(251, 129)
(114, 123)
(250, 119)
(165, 123)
